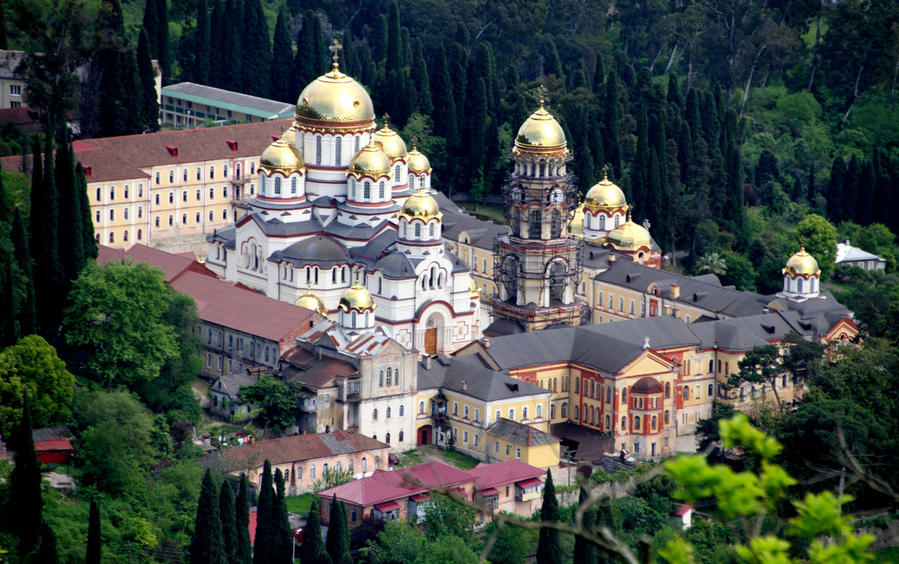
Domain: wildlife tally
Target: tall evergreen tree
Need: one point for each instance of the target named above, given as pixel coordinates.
(26, 317)
(313, 551)
(586, 550)
(612, 141)
(283, 539)
(834, 193)
(151, 24)
(422, 86)
(477, 132)
(93, 535)
(394, 61)
(203, 61)
(867, 181)
(442, 93)
(549, 551)
(111, 22)
(23, 510)
(282, 61)
(234, 30)
(265, 548)
(206, 544)
(257, 56)
(243, 551)
(320, 62)
(148, 110)
(218, 71)
(44, 221)
(47, 552)
(9, 331)
(4, 37)
(229, 524)
(71, 242)
(164, 53)
(349, 63)
(338, 542)
(304, 67)
(89, 246)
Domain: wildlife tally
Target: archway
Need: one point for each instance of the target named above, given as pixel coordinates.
(430, 337)
(425, 434)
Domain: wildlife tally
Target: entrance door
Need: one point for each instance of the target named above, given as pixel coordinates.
(424, 435)
(431, 340)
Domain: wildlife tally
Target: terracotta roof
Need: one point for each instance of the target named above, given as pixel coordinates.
(296, 448)
(44, 446)
(383, 487)
(99, 165)
(171, 264)
(308, 369)
(223, 303)
(501, 473)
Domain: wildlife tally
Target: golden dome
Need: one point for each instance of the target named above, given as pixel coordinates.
(629, 236)
(576, 225)
(540, 131)
(418, 163)
(290, 135)
(391, 143)
(311, 301)
(802, 264)
(605, 194)
(370, 161)
(422, 205)
(356, 297)
(335, 97)
(473, 287)
(281, 157)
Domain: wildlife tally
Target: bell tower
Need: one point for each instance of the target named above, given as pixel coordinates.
(537, 265)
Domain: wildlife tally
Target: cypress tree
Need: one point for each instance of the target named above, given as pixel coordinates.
(148, 110)
(850, 190)
(348, 62)
(282, 61)
(586, 550)
(203, 61)
(734, 204)
(477, 126)
(234, 30)
(93, 535)
(243, 551)
(394, 60)
(89, 246)
(834, 193)
(442, 93)
(151, 24)
(48, 275)
(206, 545)
(257, 57)
(111, 22)
(613, 123)
(4, 203)
(422, 90)
(266, 539)
(313, 551)
(218, 44)
(229, 524)
(551, 55)
(9, 332)
(811, 189)
(378, 39)
(24, 507)
(304, 68)
(338, 543)
(283, 539)
(71, 242)
(130, 105)
(26, 316)
(47, 553)
(319, 60)
(549, 551)
(164, 54)
(864, 209)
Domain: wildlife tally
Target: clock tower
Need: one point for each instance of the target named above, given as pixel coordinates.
(537, 265)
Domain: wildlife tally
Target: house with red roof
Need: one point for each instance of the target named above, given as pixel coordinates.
(510, 485)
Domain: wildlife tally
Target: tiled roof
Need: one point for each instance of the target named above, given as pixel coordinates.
(296, 448)
(464, 375)
(506, 472)
(172, 265)
(230, 384)
(99, 165)
(519, 433)
(382, 486)
(305, 367)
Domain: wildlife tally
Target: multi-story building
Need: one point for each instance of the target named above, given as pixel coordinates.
(12, 84)
(187, 104)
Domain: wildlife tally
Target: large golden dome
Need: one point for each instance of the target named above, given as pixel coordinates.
(605, 194)
(335, 97)
(540, 132)
(802, 264)
(391, 143)
(371, 161)
(281, 157)
(421, 205)
(356, 297)
(629, 237)
(418, 163)
(576, 225)
(311, 301)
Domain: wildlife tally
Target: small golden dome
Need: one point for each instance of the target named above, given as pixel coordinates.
(541, 132)
(473, 288)
(391, 143)
(576, 225)
(605, 194)
(370, 161)
(281, 157)
(311, 301)
(421, 205)
(356, 297)
(629, 236)
(802, 264)
(335, 97)
(418, 163)
(290, 135)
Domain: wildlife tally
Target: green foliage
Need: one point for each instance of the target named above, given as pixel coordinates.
(445, 516)
(94, 545)
(228, 515)
(331, 478)
(338, 542)
(282, 538)
(206, 543)
(276, 402)
(30, 372)
(548, 547)
(404, 543)
(312, 550)
(266, 542)
(22, 513)
(513, 544)
(820, 240)
(243, 551)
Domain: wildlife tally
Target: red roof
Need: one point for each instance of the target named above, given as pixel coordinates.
(529, 483)
(421, 497)
(44, 446)
(298, 448)
(506, 472)
(382, 486)
(173, 265)
(489, 492)
(681, 509)
(389, 506)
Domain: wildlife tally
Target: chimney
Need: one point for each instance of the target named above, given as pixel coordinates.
(645, 343)
(675, 291)
(275, 137)
(173, 151)
(486, 343)
(612, 258)
(232, 144)
(88, 172)
(427, 362)
(464, 385)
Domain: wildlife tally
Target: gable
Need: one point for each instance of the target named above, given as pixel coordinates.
(649, 362)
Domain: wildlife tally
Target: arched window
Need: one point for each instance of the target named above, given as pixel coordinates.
(388, 413)
(564, 410)
(401, 436)
(374, 414)
(431, 230)
(524, 412)
(654, 421)
(381, 379)
(667, 389)
(139, 234)
(338, 145)
(556, 225)
(623, 396)
(396, 173)
(800, 285)
(418, 231)
(387, 438)
(623, 422)
(353, 318)
(539, 411)
(277, 185)
(534, 219)
(515, 222)
(293, 185)
(381, 190)
(608, 423)
(686, 392)
(667, 418)
(389, 376)
(602, 222)
(356, 144)
(366, 190)
(402, 411)
(577, 411)
(318, 149)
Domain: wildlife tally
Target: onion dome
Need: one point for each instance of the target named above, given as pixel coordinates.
(311, 301)
(391, 143)
(629, 236)
(335, 97)
(802, 264)
(576, 225)
(290, 135)
(421, 205)
(370, 161)
(418, 163)
(356, 298)
(605, 194)
(540, 133)
(281, 157)
(473, 288)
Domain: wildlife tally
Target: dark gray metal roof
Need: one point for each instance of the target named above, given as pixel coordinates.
(461, 375)
(314, 250)
(396, 265)
(226, 236)
(519, 433)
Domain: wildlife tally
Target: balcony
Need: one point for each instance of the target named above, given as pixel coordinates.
(355, 397)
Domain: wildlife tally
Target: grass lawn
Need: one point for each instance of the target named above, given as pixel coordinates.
(300, 504)
(459, 459)
(485, 211)
(409, 458)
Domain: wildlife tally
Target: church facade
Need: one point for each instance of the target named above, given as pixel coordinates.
(339, 203)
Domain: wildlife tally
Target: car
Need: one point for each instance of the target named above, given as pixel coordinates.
(393, 459)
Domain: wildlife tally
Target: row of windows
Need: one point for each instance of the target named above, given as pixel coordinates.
(387, 437)
(197, 218)
(199, 195)
(98, 217)
(508, 452)
(219, 339)
(125, 193)
(198, 175)
(393, 378)
(387, 413)
(111, 236)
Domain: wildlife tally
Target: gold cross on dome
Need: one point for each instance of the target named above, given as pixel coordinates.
(541, 92)
(605, 171)
(386, 118)
(335, 48)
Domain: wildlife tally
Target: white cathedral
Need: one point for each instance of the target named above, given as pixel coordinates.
(344, 222)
